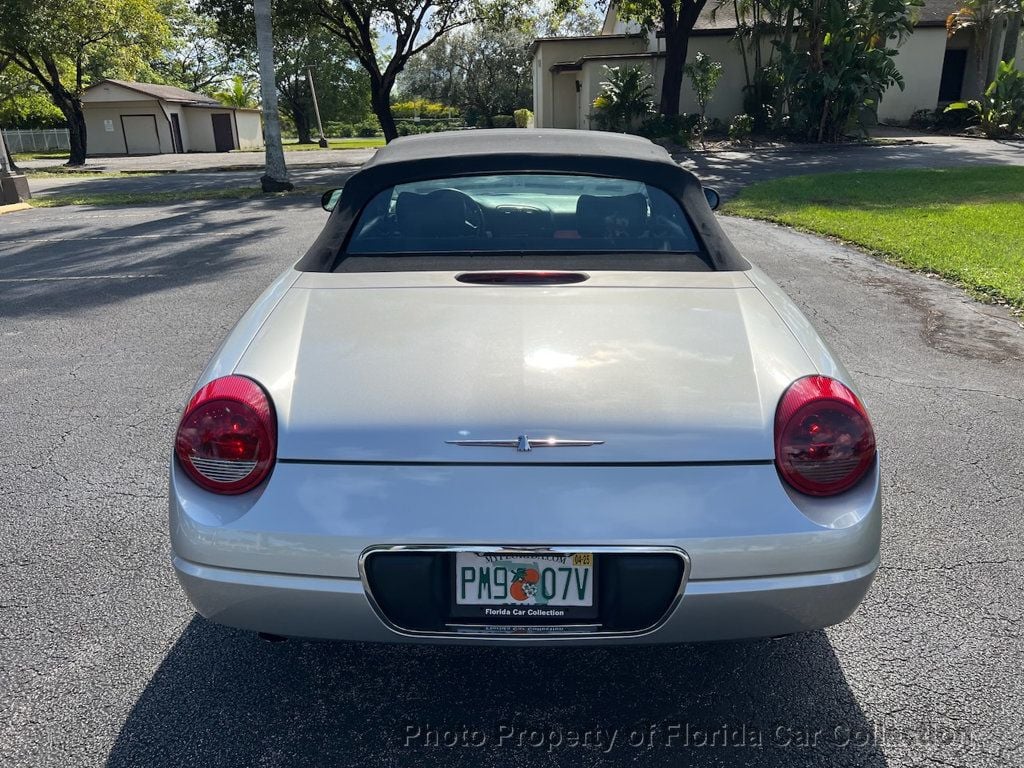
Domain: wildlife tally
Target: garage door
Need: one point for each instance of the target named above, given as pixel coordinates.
(140, 134)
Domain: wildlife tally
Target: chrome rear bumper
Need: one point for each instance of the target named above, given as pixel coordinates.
(340, 609)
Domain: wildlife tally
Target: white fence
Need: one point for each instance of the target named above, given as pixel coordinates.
(37, 140)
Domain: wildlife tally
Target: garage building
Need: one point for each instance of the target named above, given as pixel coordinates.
(125, 118)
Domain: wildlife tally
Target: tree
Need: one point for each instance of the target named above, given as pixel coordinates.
(1013, 34)
(23, 103)
(275, 176)
(64, 44)
(411, 27)
(343, 89)
(484, 70)
(194, 59)
(414, 24)
(562, 21)
(704, 74)
(675, 20)
(342, 85)
(843, 64)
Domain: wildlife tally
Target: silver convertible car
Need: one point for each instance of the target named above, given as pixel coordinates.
(522, 388)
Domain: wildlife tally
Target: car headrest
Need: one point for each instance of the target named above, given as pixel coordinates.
(439, 213)
(611, 216)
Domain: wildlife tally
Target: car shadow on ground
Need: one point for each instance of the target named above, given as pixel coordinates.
(225, 698)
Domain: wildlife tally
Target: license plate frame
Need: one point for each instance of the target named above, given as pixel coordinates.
(513, 613)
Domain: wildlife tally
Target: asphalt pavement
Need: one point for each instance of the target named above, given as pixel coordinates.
(107, 316)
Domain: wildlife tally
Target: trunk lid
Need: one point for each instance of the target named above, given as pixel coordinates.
(661, 367)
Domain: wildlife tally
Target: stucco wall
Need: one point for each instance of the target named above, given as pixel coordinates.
(727, 99)
(564, 101)
(250, 129)
(550, 52)
(177, 109)
(920, 62)
(103, 142)
(200, 128)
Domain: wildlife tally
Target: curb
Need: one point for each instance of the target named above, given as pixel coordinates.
(14, 207)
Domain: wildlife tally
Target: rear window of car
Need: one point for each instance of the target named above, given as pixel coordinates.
(527, 215)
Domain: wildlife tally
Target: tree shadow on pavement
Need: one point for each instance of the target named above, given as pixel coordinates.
(225, 698)
(64, 261)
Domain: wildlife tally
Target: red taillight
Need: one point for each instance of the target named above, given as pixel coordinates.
(824, 442)
(227, 439)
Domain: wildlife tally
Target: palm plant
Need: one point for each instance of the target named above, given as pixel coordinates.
(624, 99)
(239, 94)
(999, 113)
(845, 66)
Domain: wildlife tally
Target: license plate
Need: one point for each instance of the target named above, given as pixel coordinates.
(524, 587)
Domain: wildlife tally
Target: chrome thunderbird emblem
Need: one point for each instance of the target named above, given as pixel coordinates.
(523, 443)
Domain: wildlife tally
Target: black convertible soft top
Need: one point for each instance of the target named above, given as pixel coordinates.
(517, 150)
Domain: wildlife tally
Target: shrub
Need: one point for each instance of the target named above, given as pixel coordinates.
(624, 99)
(763, 99)
(421, 108)
(678, 129)
(923, 119)
(741, 127)
(367, 129)
(522, 117)
(1000, 111)
(503, 121)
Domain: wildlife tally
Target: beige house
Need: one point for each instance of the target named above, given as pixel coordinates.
(568, 71)
(125, 118)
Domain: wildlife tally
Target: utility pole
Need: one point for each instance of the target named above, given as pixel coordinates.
(275, 176)
(13, 186)
(316, 108)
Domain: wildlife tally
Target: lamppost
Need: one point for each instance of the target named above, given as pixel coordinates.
(316, 108)
(13, 186)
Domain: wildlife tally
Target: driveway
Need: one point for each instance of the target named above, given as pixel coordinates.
(107, 316)
(730, 171)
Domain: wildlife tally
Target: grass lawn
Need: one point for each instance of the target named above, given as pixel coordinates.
(966, 224)
(291, 146)
(61, 155)
(61, 173)
(355, 143)
(175, 196)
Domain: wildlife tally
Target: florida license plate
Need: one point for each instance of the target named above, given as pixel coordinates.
(524, 587)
